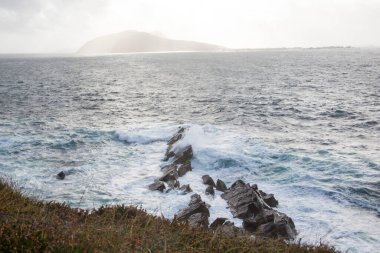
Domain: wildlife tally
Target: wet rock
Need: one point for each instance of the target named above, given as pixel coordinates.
(185, 188)
(244, 201)
(170, 174)
(238, 183)
(196, 214)
(281, 227)
(229, 229)
(217, 223)
(184, 155)
(157, 186)
(251, 224)
(61, 175)
(184, 168)
(176, 137)
(220, 186)
(169, 154)
(269, 199)
(172, 184)
(271, 223)
(198, 219)
(208, 180)
(210, 190)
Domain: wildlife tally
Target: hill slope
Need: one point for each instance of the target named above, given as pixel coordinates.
(133, 41)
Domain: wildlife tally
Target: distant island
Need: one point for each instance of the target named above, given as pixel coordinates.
(134, 41)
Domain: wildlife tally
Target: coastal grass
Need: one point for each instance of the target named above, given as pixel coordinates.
(31, 225)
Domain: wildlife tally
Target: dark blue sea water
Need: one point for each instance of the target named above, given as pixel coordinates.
(302, 124)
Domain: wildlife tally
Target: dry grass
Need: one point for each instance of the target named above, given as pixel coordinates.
(29, 225)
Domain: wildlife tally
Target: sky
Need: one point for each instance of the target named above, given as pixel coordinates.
(60, 26)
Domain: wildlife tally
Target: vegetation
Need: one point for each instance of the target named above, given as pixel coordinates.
(30, 225)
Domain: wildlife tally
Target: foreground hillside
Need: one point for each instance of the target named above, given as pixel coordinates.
(133, 41)
(29, 225)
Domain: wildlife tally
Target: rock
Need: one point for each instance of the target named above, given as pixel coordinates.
(281, 227)
(196, 214)
(184, 168)
(61, 175)
(251, 224)
(271, 223)
(169, 154)
(217, 223)
(208, 180)
(237, 183)
(176, 137)
(229, 229)
(243, 200)
(185, 189)
(220, 186)
(172, 184)
(184, 155)
(170, 174)
(269, 199)
(157, 186)
(210, 190)
(198, 219)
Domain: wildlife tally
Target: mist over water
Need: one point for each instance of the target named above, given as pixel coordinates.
(302, 124)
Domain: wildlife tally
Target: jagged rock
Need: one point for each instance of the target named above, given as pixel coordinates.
(185, 188)
(176, 137)
(157, 186)
(251, 224)
(170, 174)
(169, 154)
(184, 155)
(198, 219)
(172, 184)
(217, 223)
(61, 175)
(237, 183)
(210, 190)
(243, 200)
(228, 228)
(196, 214)
(184, 168)
(220, 186)
(269, 199)
(208, 180)
(282, 226)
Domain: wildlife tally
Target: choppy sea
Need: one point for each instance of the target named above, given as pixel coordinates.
(302, 124)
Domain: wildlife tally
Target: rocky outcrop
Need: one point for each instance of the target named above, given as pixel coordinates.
(180, 164)
(245, 202)
(271, 223)
(196, 214)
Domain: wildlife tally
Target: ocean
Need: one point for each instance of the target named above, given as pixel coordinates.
(303, 124)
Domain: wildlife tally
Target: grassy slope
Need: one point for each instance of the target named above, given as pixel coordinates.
(29, 225)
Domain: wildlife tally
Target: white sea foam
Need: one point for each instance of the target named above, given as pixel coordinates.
(120, 174)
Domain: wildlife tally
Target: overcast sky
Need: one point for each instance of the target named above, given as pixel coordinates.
(38, 26)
